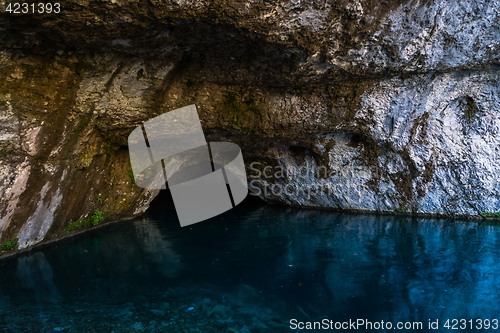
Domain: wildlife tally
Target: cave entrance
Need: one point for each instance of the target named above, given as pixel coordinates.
(163, 206)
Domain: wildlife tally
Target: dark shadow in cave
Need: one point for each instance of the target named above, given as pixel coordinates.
(163, 204)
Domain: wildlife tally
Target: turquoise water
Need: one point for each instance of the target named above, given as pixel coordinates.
(254, 269)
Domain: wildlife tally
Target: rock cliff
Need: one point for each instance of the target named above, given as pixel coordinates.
(360, 105)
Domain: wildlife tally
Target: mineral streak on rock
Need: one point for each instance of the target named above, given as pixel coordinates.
(391, 105)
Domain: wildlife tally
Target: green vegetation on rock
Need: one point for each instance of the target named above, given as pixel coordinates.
(470, 108)
(240, 112)
(131, 175)
(9, 245)
(92, 220)
(494, 215)
(84, 163)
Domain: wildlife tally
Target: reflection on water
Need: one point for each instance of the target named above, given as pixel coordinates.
(36, 277)
(252, 270)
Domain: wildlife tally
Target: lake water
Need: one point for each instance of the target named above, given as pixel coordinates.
(253, 269)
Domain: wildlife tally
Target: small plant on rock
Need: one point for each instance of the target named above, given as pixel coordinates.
(97, 217)
(10, 245)
(494, 215)
(131, 175)
(92, 220)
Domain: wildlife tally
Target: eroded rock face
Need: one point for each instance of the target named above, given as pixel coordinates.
(431, 147)
(381, 106)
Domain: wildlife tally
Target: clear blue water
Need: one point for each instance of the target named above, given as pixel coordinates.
(254, 269)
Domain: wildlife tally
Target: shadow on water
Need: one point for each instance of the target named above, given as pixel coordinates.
(253, 269)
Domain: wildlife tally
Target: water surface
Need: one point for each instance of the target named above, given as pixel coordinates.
(253, 269)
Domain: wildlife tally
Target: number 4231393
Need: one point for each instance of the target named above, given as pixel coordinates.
(33, 8)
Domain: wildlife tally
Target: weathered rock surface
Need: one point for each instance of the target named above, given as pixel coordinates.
(356, 105)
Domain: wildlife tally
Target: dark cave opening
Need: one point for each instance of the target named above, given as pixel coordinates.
(164, 204)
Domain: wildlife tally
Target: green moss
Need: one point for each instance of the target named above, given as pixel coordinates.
(10, 245)
(494, 215)
(131, 175)
(470, 102)
(80, 224)
(84, 163)
(240, 112)
(401, 210)
(471, 107)
(232, 107)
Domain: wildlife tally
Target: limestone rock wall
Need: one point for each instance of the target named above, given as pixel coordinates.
(431, 147)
